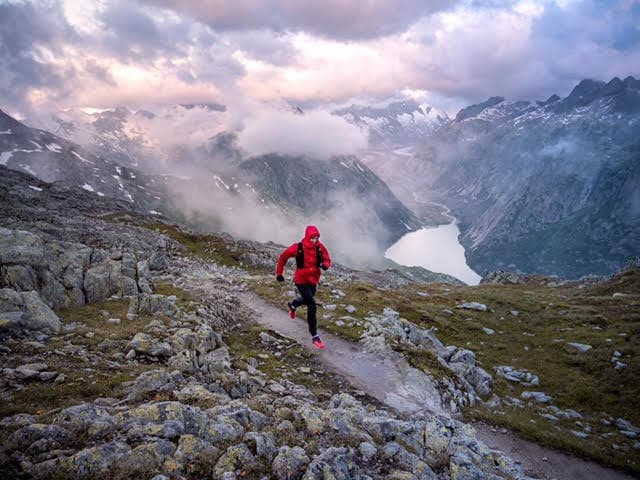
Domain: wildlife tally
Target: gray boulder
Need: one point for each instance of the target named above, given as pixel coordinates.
(236, 456)
(96, 462)
(333, 463)
(290, 463)
(27, 310)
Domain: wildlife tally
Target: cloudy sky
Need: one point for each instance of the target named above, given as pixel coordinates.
(103, 53)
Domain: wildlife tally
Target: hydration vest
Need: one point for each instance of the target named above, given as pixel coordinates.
(300, 256)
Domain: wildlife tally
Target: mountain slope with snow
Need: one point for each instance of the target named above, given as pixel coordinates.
(552, 187)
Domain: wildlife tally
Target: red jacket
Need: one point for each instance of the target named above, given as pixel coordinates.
(310, 272)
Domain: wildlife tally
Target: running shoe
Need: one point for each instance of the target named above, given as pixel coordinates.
(292, 311)
(317, 342)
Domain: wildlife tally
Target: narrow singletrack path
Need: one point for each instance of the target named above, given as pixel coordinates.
(391, 380)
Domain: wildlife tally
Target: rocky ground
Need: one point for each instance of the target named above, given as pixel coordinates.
(191, 412)
(116, 362)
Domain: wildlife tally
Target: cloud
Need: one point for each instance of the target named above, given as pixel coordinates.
(144, 52)
(209, 205)
(29, 36)
(317, 134)
(130, 32)
(337, 19)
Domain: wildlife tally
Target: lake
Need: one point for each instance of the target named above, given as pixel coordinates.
(436, 249)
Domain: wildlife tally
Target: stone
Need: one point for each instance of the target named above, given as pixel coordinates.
(464, 356)
(573, 347)
(190, 447)
(332, 463)
(96, 462)
(289, 463)
(38, 316)
(148, 457)
(148, 345)
(87, 419)
(316, 420)
(197, 392)
(151, 381)
(17, 421)
(367, 451)
(235, 457)
(539, 397)
(480, 307)
(222, 428)
(262, 445)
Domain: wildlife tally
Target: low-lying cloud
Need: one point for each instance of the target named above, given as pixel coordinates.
(316, 134)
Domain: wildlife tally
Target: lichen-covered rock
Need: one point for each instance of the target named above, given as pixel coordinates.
(158, 261)
(100, 280)
(222, 429)
(399, 457)
(143, 343)
(262, 445)
(504, 278)
(144, 276)
(29, 434)
(338, 463)
(290, 463)
(368, 451)
(19, 277)
(235, 457)
(170, 416)
(97, 462)
(36, 314)
(148, 457)
(157, 304)
(437, 432)
(86, 419)
(315, 419)
(147, 382)
(17, 421)
(190, 448)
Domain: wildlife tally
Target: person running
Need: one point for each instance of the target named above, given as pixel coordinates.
(311, 256)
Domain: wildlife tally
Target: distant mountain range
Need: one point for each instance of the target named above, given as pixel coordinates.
(549, 186)
(399, 123)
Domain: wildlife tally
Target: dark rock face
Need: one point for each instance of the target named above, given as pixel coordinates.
(54, 159)
(398, 123)
(474, 110)
(549, 187)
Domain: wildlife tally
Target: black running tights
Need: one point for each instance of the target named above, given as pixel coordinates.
(307, 292)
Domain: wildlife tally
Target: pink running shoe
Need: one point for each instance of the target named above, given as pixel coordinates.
(292, 311)
(317, 342)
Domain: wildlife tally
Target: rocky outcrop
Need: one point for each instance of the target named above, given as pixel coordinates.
(468, 378)
(38, 274)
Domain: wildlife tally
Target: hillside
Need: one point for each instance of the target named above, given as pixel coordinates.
(116, 364)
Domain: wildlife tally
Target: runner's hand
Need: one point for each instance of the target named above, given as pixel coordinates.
(280, 278)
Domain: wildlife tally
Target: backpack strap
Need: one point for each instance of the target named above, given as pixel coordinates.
(300, 256)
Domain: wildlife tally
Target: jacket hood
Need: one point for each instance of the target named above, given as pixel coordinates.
(310, 231)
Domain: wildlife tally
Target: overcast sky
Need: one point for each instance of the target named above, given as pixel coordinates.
(139, 53)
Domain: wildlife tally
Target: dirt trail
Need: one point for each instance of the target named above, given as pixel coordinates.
(398, 385)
